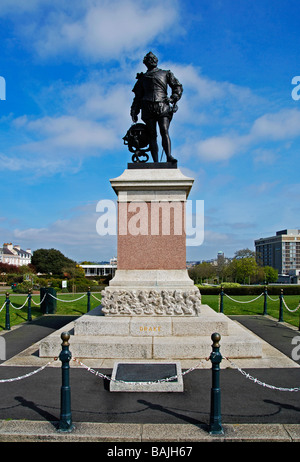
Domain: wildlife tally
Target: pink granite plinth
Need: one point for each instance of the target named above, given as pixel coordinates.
(149, 238)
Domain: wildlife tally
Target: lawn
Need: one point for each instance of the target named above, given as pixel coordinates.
(76, 304)
(233, 306)
(67, 304)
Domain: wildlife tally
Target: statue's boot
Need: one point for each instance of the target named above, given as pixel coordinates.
(171, 159)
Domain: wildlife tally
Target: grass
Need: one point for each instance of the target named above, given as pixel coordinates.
(18, 315)
(255, 307)
(79, 307)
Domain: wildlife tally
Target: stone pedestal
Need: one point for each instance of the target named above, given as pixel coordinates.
(153, 338)
(151, 278)
(152, 310)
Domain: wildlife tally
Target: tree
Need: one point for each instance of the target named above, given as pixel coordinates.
(202, 271)
(244, 253)
(271, 274)
(241, 269)
(51, 261)
(7, 268)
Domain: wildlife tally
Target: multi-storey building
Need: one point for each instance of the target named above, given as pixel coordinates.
(282, 251)
(14, 255)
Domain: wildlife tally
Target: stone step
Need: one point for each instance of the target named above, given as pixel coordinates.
(151, 325)
(153, 337)
(121, 347)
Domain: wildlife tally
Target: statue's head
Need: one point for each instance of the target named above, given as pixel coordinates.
(150, 60)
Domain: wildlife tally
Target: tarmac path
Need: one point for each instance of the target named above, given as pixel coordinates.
(38, 397)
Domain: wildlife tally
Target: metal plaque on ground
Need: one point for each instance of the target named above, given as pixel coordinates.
(147, 376)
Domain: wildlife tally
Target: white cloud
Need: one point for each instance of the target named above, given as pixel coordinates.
(203, 88)
(212, 237)
(262, 188)
(282, 125)
(100, 97)
(218, 148)
(51, 143)
(216, 98)
(37, 165)
(76, 236)
(72, 132)
(95, 30)
(265, 156)
(56, 143)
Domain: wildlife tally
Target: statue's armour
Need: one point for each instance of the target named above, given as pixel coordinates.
(153, 86)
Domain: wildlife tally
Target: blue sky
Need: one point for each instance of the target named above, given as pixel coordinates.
(69, 69)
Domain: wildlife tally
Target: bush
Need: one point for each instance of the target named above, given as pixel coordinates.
(291, 289)
(23, 288)
(42, 282)
(11, 278)
(56, 283)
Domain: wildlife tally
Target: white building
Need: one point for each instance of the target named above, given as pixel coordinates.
(14, 255)
(100, 269)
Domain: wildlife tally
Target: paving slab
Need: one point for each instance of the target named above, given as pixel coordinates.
(38, 431)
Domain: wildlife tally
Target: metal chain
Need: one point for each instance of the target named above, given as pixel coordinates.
(27, 375)
(168, 379)
(272, 299)
(248, 301)
(95, 297)
(39, 303)
(259, 382)
(291, 311)
(69, 301)
(20, 307)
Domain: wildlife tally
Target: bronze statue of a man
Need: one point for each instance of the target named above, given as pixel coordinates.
(151, 97)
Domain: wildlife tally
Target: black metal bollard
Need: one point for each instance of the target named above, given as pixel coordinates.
(29, 318)
(89, 299)
(265, 301)
(46, 301)
(281, 306)
(7, 315)
(221, 300)
(215, 425)
(65, 423)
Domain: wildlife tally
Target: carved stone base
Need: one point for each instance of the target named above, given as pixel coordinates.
(151, 302)
(151, 293)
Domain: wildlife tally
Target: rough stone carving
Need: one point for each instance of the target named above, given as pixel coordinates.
(151, 302)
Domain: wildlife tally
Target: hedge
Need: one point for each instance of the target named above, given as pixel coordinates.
(291, 289)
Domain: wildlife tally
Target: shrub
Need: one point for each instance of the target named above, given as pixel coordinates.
(55, 282)
(291, 289)
(23, 288)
